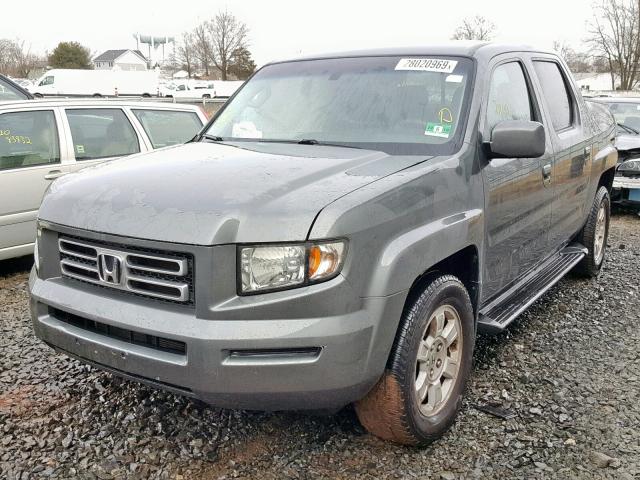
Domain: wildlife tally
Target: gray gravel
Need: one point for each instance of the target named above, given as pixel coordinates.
(569, 372)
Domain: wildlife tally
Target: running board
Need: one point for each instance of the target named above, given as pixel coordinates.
(500, 312)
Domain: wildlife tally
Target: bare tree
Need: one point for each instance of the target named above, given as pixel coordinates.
(185, 53)
(202, 46)
(228, 34)
(16, 58)
(577, 61)
(614, 33)
(475, 28)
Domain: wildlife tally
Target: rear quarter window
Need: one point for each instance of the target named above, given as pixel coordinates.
(166, 128)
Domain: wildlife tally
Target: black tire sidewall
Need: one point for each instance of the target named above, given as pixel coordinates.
(453, 293)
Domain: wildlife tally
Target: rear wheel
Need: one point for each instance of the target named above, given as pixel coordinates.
(420, 392)
(594, 234)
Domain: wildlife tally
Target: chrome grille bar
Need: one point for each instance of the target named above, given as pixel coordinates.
(153, 275)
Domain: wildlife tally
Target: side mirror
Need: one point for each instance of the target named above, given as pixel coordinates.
(517, 139)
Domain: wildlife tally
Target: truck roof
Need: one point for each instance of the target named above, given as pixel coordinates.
(461, 48)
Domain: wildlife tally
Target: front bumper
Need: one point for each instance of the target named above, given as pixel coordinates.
(626, 191)
(297, 360)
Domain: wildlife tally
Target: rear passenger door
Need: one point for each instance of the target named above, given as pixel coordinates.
(100, 134)
(572, 145)
(168, 127)
(30, 158)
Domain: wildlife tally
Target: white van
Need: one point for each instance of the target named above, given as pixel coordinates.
(97, 83)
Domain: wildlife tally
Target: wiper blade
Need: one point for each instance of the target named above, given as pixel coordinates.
(313, 141)
(213, 138)
(628, 128)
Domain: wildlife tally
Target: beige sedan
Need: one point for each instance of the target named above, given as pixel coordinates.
(41, 140)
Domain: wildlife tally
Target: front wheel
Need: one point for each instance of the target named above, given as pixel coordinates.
(594, 234)
(421, 390)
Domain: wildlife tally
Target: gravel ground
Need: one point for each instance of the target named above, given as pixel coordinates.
(568, 370)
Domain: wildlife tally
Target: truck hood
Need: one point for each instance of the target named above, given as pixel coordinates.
(209, 194)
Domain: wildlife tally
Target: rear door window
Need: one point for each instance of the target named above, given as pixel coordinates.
(166, 128)
(509, 97)
(28, 139)
(101, 133)
(558, 99)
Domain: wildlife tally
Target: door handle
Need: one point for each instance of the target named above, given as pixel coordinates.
(53, 174)
(546, 171)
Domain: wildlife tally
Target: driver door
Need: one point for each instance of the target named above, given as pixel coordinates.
(518, 197)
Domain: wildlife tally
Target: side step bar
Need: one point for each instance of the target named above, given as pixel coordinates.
(500, 312)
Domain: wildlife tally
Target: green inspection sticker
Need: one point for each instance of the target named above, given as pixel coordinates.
(438, 130)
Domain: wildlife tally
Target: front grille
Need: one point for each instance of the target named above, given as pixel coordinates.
(123, 334)
(151, 273)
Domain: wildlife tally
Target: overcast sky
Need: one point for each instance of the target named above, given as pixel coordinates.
(285, 28)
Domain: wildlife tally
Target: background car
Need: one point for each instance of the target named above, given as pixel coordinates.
(10, 90)
(626, 184)
(41, 140)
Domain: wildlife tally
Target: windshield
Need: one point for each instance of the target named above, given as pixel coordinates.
(398, 105)
(626, 113)
(9, 92)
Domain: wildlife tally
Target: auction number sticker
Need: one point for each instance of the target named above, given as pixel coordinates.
(19, 139)
(442, 130)
(427, 65)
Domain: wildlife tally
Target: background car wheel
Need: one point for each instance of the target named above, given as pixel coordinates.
(594, 234)
(420, 392)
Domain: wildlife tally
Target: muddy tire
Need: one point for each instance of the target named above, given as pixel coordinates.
(594, 235)
(420, 392)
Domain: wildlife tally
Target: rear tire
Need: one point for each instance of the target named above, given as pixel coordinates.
(420, 392)
(594, 234)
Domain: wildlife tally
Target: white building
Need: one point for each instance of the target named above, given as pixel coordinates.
(120, 60)
(596, 82)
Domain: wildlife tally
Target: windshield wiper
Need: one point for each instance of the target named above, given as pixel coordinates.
(313, 141)
(628, 128)
(213, 138)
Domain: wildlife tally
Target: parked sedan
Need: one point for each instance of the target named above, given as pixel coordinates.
(626, 184)
(41, 140)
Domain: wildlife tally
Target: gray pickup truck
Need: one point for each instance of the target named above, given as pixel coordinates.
(338, 233)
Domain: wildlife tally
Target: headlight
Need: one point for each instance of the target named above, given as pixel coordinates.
(278, 267)
(630, 166)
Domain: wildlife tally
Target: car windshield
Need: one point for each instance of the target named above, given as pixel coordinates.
(9, 92)
(395, 104)
(626, 113)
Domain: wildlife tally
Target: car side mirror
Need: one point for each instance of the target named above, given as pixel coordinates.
(517, 139)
